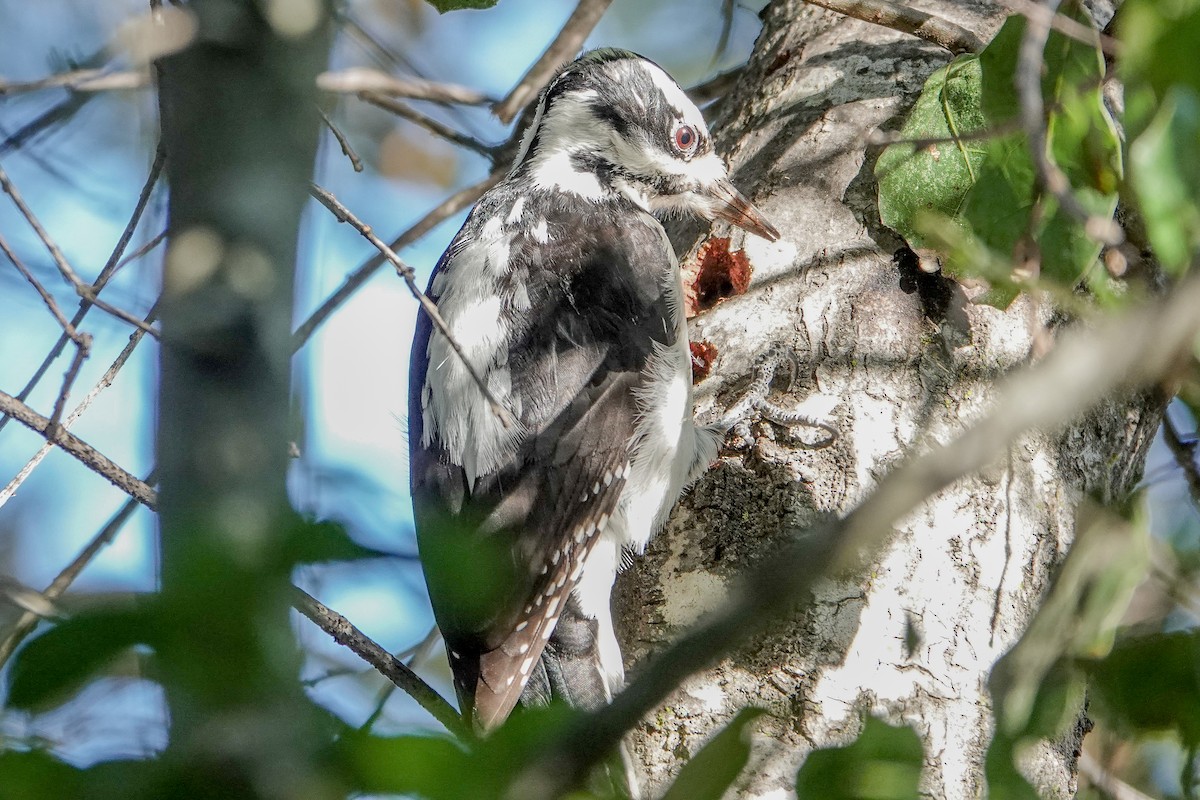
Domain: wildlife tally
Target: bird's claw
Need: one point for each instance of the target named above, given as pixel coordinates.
(737, 419)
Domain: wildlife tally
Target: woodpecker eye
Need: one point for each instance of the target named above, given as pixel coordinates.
(685, 139)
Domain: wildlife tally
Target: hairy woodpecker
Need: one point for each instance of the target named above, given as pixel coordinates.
(564, 292)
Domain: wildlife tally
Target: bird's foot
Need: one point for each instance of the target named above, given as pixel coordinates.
(809, 414)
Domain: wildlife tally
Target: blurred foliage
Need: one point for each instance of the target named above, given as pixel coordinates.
(883, 763)
(712, 770)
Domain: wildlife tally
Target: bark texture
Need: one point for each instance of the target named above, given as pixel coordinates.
(903, 359)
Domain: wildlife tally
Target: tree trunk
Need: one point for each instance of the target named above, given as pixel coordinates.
(910, 360)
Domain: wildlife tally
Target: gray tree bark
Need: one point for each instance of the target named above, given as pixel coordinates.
(904, 360)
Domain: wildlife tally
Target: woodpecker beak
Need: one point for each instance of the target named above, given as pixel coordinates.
(732, 206)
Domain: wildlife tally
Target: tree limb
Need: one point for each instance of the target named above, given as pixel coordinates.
(942, 32)
(81, 450)
(392, 668)
(577, 27)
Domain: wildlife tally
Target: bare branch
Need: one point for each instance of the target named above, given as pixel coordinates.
(344, 143)
(1033, 118)
(428, 123)
(111, 266)
(346, 81)
(1106, 783)
(69, 573)
(908, 20)
(56, 254)
(158, 239)
(392, 668)
(47, 298)
(448, 207)
(365, 79)
(105, 381)
(81, 80)
(406, 272)
(577, 27)
(1127, 352)
(84, 452)
(81, 353)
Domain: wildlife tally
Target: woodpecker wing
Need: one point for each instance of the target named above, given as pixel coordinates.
(585, 302)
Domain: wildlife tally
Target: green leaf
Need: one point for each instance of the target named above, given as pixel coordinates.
(884, 763)
(1166, 177)
(934, 178)
(1152, 684)
(947, 194)
(64, 657)
(454, 5)
(714, 768)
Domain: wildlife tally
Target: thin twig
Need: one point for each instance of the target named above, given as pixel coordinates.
(56, 254)
(365, 79)
(1106, 783)
(1030, 59)
(342, 141)
(105, 381)
(1071, 28)
(1185, 456)
(409, 657)
(69, 573)
(109, 269)
(447, 208)
(346, 81)
(81, 450)
(410, 278)
(942, 32)
(81, 353)
(1130, 351)
(89, 295)
(83, 289)
(392, 668)
(577, 27)
(428, 123)
(47, 298)
(81, 80)
(158, 239)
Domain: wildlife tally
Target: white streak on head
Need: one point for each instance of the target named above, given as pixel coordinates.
(540, 233)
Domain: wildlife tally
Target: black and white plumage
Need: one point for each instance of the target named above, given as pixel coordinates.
(564, 292)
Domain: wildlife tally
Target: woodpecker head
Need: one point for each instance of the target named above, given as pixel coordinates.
(615, 122)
